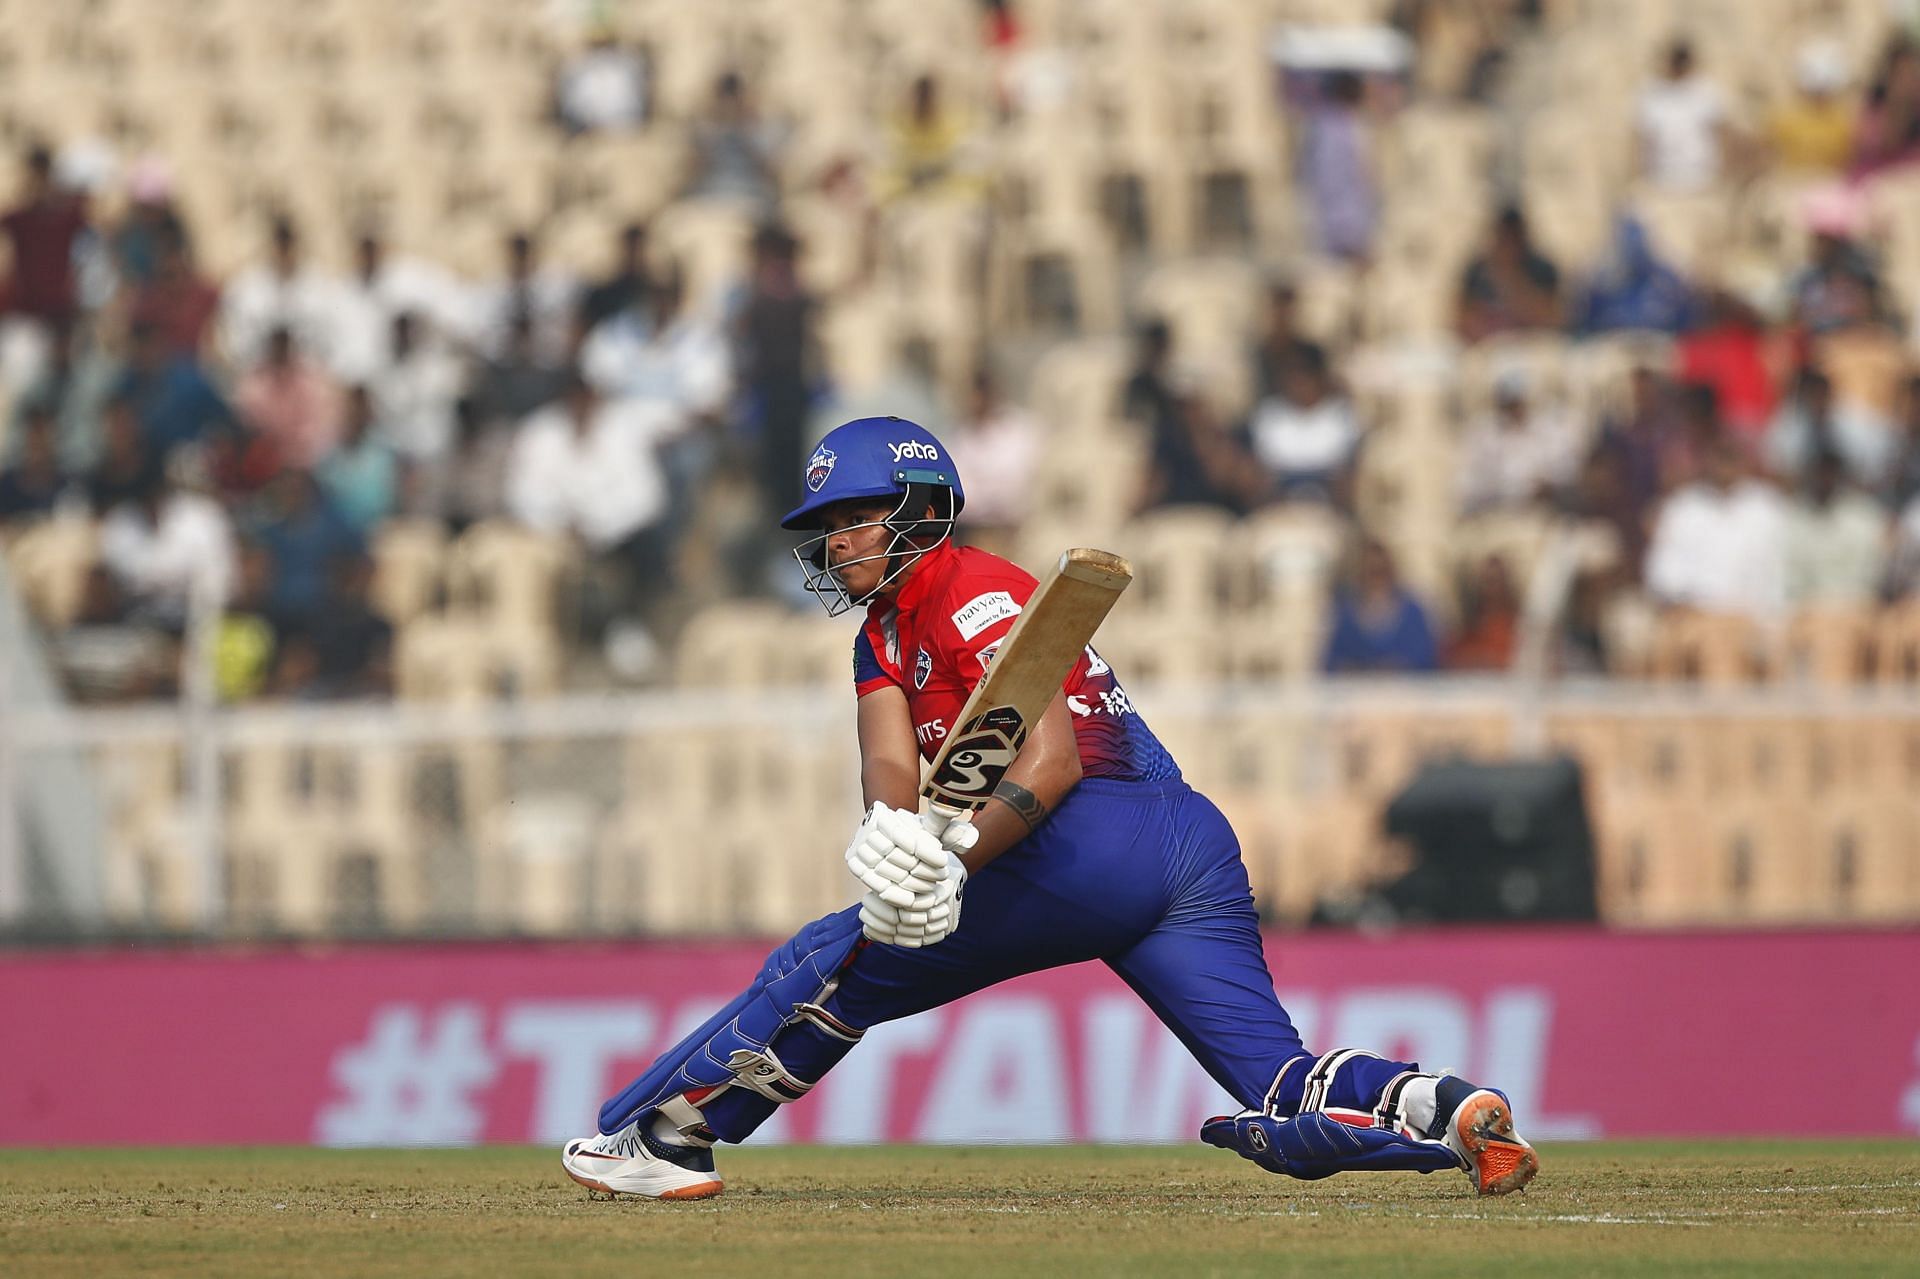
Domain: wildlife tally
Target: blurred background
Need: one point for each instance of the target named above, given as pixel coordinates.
(1511, 409)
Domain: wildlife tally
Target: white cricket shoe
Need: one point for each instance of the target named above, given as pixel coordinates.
(633, 1162)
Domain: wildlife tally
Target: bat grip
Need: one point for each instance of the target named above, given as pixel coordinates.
(940, 816)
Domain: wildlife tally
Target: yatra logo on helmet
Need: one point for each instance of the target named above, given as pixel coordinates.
(819, 467)
(915, 450)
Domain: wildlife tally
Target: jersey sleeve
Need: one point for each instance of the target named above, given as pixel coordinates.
(868, 674)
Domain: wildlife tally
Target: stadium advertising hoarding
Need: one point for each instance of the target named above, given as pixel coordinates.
(457, 1044)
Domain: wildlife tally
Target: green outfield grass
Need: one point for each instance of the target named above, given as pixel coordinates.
(1748, 1208)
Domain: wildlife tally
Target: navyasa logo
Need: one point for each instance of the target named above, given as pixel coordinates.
(819, 467)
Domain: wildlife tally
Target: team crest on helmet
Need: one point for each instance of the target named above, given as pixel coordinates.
(819, 467)
(922, 668)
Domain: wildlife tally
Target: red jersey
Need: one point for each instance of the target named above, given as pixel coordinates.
(933, 641)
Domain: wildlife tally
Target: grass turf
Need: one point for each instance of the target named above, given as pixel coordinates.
(1748, 1208)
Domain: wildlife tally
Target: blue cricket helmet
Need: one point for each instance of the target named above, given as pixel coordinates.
(873, 457)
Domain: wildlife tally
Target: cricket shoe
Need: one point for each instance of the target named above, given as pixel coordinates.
(633, 1162)
(1481, 1133)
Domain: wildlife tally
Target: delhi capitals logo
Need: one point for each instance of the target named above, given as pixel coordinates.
(819, 467)
(922, 668)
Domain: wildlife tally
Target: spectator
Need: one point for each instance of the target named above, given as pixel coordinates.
(1192, 458)
(127, 469)
(347, 650)
(1490, 620)
(1718, 542)
(604, 87)
(414, 394)
(1834, 539)
(1634, 289)
(1814, 132)
(1811, 423)
(134, 244)
(1889, 132)
(74, 386)
(475, 486)
(1641, 439)
(662, 350)
(591, 468)
(171, 394)
(1727, 350)
(779, 363)
(629, 289)
(247, 640)
(1306, 438)
(31, 485)
(1698, 407)
(1378, 624)
(1518, 454)
(1148, 395)
(43, 230)
(1336, 168)
(1867, 359)
(283, 293)
(106, 654)
(1603, 495)
(999, 442)
(1682, 123)
(509, 386)
(176, 302)
(735, 153)
(362, 476)
(1839, 286)
(928, 141)
(169, 545)
(1509, 286)
(1281, 346)
(541, 296)
(382, 288)
(292, 402)
(588, 467)
(302, 534)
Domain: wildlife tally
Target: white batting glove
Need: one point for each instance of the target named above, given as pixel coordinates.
(897, 859)
(912, 927)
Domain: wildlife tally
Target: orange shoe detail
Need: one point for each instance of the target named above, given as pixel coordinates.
(1502, 1162)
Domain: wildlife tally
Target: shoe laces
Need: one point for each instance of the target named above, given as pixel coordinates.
(625, 1143)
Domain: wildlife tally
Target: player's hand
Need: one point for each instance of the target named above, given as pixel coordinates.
(914, 928)
(897, 859)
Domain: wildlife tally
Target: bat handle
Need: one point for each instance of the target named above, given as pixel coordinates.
(940, 816)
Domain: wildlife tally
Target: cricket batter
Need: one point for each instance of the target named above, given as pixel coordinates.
(1092, 847)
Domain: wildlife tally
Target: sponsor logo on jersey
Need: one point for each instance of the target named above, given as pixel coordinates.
(913, 449)
(934, 730)
(982, 611)
(988, 653)
(819, 467)
(922, 668)
(890, 630)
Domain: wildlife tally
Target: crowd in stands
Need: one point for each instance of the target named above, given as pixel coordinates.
(1770, 466)
(248, 438)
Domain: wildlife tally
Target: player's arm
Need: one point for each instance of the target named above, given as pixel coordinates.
(889, 757)
(1047, 768)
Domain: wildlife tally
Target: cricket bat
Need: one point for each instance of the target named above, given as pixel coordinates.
(1025, 672)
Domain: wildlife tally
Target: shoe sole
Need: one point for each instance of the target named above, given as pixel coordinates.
(1502, 1161)
(704, 1191)
(699, 1190)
